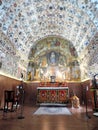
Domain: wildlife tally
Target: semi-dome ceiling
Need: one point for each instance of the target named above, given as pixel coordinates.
(24, 22)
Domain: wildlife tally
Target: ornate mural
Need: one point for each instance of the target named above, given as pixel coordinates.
(53, 56)
(11, 64)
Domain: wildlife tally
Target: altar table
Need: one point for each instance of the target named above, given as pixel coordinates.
(52, 95)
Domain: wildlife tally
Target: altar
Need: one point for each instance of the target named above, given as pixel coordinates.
(54, 95)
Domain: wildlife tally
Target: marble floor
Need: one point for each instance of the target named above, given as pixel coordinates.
(77, 121)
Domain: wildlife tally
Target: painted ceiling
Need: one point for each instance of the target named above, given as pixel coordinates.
(23, 23)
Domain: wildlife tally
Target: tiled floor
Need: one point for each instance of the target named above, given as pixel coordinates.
(77, 121)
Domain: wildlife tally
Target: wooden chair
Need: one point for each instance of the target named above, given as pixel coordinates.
(9, 100)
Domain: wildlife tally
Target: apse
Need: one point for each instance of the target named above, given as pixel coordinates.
(53, 56)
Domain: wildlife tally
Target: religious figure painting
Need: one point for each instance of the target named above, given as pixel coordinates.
(52, 58)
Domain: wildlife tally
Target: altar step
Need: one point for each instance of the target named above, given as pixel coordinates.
(52, 104)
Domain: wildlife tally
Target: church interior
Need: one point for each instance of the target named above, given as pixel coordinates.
(49, 64)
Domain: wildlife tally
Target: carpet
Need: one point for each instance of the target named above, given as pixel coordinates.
(52, 111)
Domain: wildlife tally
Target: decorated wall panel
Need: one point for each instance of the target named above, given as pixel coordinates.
(10, 59)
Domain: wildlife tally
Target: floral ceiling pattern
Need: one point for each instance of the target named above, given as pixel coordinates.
(25, 22)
